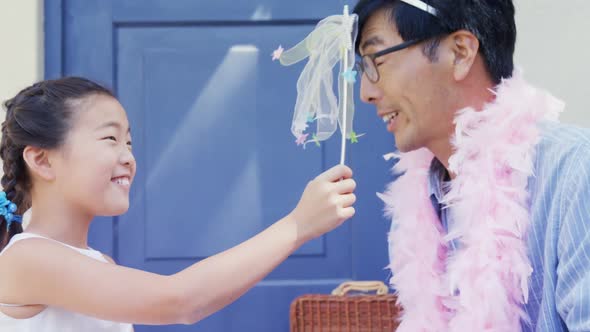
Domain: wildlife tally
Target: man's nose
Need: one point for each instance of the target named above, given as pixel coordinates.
(370, 93)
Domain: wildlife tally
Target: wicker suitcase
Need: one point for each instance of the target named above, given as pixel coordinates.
(346, 312)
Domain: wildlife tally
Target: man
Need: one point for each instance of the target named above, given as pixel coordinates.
(490, 222)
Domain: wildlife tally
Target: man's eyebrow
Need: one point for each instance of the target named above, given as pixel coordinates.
(373, 41)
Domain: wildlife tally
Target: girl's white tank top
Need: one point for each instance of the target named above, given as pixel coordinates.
(53, 319)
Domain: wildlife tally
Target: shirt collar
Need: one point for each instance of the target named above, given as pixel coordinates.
(436, 177)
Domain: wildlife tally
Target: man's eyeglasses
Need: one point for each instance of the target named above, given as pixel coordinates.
(367, 62)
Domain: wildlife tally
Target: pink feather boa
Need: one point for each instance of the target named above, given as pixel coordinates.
(483, 284)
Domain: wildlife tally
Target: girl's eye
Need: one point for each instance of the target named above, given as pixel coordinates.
(112, 138)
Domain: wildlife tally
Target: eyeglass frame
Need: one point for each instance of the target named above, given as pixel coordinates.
(359, 64)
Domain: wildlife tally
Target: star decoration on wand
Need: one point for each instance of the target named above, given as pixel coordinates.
(276, 54)
(316, 141)
(354, 137)
(349, 75)
(301, 139)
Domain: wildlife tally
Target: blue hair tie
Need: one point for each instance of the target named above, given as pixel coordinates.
(7, 210)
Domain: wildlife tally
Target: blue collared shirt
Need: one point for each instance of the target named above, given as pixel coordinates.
(559, 234)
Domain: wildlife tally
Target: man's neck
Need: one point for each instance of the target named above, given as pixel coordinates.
(475, 98)
(442, 151)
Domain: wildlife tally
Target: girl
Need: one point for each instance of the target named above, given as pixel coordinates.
(66, 149)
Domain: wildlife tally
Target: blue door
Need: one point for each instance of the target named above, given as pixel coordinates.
(210, 116)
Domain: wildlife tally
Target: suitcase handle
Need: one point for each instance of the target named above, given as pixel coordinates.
(364, 286)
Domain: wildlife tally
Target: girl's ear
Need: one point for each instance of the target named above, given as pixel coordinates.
(38, 163)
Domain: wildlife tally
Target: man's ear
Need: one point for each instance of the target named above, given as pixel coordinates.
(465, 47)
(39, 163)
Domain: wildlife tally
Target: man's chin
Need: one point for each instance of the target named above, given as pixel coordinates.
(404, 147)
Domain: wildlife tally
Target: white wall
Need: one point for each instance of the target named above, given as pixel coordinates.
(553, 48)
(21, 45)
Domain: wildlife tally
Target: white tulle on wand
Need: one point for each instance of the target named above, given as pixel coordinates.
(331, 42)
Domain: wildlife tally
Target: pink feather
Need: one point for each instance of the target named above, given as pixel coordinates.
(482, 285)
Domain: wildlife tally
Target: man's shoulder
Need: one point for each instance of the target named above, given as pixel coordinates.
(562, 150)
(563, 141)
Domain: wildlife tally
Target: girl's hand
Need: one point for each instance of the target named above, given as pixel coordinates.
(325, 204)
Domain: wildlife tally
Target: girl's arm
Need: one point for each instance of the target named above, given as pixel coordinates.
(37, 271)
